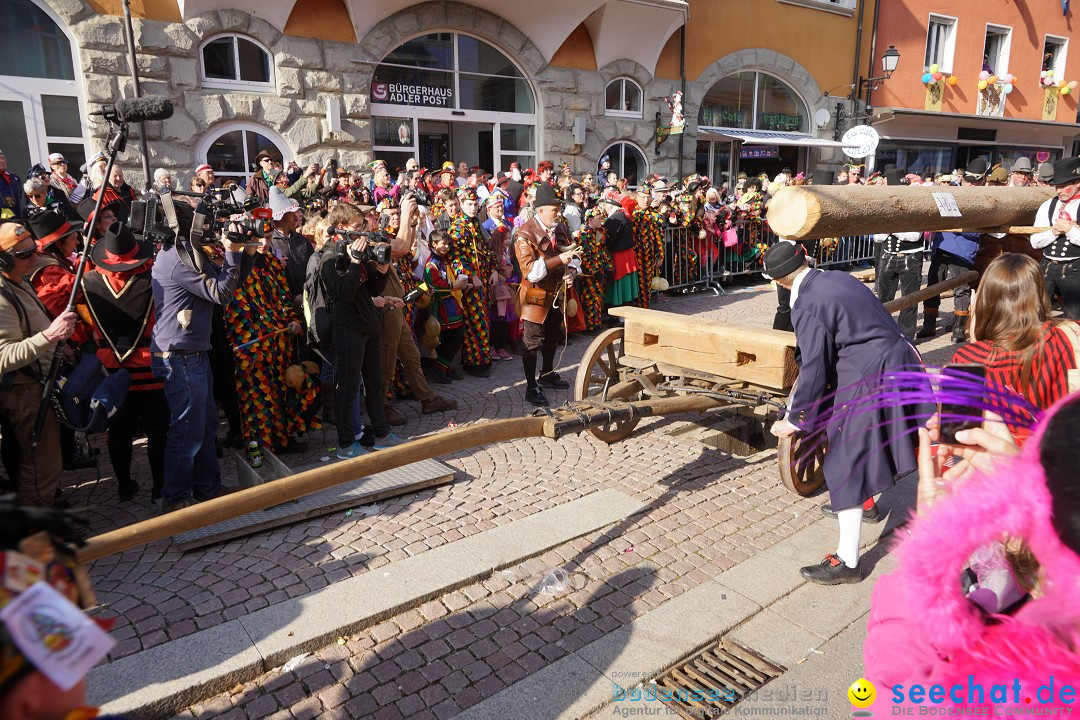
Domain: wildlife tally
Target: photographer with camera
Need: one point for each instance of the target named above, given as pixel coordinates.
(27, 342)
(186, 287)
(397, 339)
(352, 275)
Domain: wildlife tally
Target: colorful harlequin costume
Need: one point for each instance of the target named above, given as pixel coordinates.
(272, 411)
(469, 250)
(595, 267)
(439, 275)
(649, 248)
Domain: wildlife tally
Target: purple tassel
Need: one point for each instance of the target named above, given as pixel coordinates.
(918, 394)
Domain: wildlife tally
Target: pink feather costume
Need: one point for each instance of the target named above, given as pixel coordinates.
(922, 630)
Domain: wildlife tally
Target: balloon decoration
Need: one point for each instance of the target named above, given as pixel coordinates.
(926, 78)
(982, 84)
(1046, 78)
(984, 75)
(934, 68)
(937, 76)
(952, 80)
(1007, 88)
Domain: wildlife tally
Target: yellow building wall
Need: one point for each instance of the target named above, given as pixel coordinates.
(165, 10)
(321, 19)
(822, 42)
(577, 51)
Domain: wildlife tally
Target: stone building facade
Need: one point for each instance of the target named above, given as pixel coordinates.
(317, 99)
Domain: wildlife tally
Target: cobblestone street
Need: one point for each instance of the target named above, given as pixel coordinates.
(705, 511)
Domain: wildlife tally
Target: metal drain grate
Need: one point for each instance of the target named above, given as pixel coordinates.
(715, 680)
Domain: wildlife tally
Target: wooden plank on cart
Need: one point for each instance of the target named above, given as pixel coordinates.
(759, 356)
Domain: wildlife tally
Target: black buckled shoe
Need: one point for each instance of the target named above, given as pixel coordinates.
(832, 571)
(536, 396)
(868, 516)
(552, 380)
(958, 333)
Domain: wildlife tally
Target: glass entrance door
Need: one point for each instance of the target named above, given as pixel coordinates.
(16, 120)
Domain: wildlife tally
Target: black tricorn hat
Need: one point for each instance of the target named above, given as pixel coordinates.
(49, 226)
(120, 250)
(86, 207)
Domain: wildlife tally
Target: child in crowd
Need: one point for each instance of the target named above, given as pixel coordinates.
(446, 284)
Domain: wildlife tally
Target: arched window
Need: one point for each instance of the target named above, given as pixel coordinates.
(754, 101)
(446, 93)
(233, 62)
(40, 111)
(623, 98)
(231, 149)
(627, 161)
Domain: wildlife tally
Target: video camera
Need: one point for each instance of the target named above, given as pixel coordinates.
(231, 206)
(377, 251)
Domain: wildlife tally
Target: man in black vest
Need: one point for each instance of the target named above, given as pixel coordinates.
(1061, 243)
(119, 309)
(900, 264)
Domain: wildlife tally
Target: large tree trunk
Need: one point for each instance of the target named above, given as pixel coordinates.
(810, 212)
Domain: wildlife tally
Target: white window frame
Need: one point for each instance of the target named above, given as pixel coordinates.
(622, 158)
(455, 114)
(757, 92)
(948, 52)
(28, 91)
(1063, 56)
(839, 7)
(217, 131)
(248, 85)
(1002, 65)
(608, 112)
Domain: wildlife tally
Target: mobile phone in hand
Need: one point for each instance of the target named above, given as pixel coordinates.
(957, 416)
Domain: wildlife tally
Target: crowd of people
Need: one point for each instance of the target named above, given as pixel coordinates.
(348, 293)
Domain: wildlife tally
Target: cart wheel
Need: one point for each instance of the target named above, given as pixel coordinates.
(598, 371)
(800, 469)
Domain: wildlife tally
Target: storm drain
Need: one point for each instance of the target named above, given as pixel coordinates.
(714, 681)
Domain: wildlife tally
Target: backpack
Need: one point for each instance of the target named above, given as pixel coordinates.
(317, 303)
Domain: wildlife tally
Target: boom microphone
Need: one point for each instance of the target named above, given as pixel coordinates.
(152, 107)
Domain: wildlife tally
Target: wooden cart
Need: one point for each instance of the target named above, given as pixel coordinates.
(657, 354)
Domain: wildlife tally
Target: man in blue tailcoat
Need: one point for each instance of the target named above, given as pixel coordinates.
(846, 340)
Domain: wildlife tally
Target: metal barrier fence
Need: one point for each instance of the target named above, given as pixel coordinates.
(695, 263)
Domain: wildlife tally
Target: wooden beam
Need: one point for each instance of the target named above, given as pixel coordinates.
(808, 212)
(760, 356)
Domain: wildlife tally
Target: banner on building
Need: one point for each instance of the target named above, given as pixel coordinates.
(759, 152)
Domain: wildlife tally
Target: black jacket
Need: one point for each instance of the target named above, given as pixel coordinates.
(350, 287)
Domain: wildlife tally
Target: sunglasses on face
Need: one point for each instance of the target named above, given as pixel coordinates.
(25, 254)
(37, 195)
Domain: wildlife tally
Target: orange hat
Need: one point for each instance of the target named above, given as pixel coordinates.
(13, 233)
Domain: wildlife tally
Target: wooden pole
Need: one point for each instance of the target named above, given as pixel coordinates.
(290, 488)
(562, 422)
(969, 278)
(809, 212)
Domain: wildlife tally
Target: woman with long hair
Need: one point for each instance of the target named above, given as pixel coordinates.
(1013, 336)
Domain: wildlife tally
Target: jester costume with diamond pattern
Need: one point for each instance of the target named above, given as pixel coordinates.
(595, 267)
(469, 249)
(272, 411)
(649, 248)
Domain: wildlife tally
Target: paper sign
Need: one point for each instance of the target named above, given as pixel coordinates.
(946, 204)
(55, 635)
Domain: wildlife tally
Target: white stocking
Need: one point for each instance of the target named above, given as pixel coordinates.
(850, 527)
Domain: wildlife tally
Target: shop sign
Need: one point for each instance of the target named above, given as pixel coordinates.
(409, 94)
(759, 152)
(860, 141)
